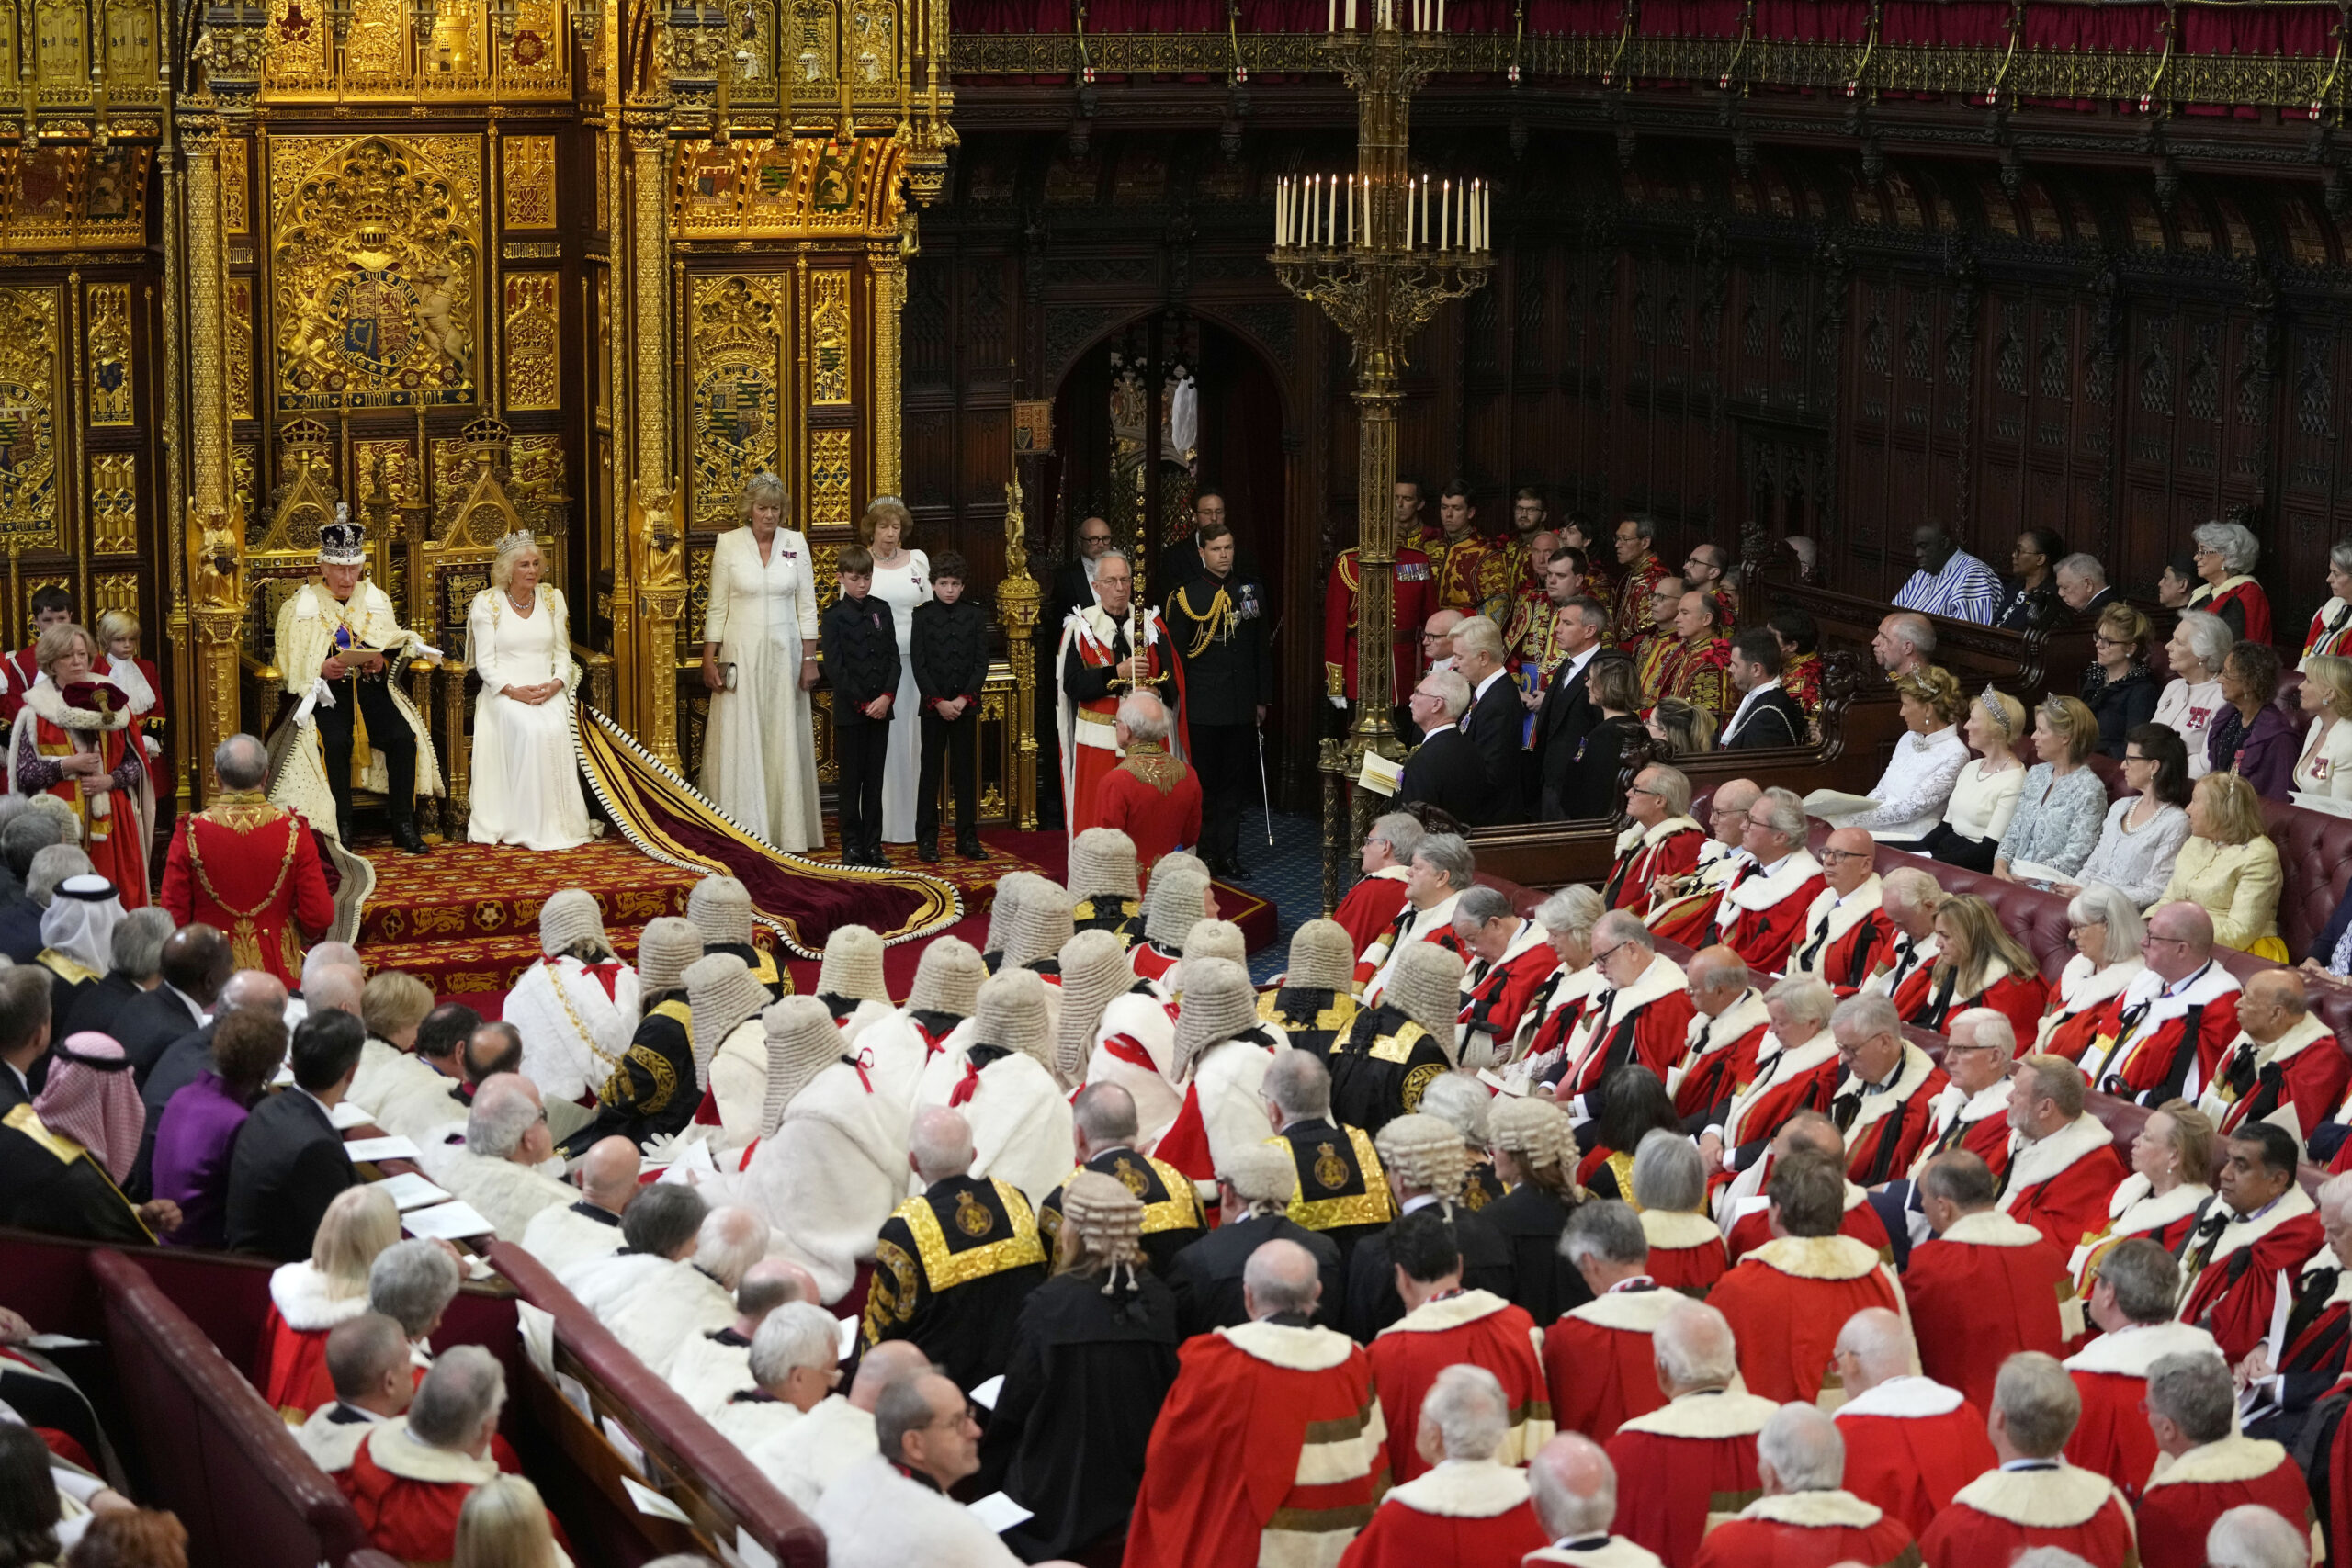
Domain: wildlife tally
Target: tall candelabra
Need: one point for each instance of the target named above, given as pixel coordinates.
(1379, 249)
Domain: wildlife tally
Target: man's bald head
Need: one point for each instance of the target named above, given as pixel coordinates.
(2274, 1001)
(1575, 1486)
(2180, 939)
(254, 990)
(335, 988)
(1718, 978)
(1810, 1130)
(1281, 1276)
(608, 1173)
(1695, 1348)
(893, 1360)
(1852, 857)
(1881, 1347)
(1728, 811)
(766, 1285)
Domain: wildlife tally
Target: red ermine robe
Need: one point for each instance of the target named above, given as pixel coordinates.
(1884, 1129)
(1599, 1362)
(1789, 1079)
(1476, 1328)
(1752, 1228)
(1461, 1512)
(2136, 1211)
(2060, 1184)
(1270, 1443)
(2232, 1298)
(2178, 1506)
(407, 1493)
(291, 1359)
(1808, 1529)
(1646, 856)
(1645, 1023)
(1978, 1122)
(1686, 1251)
(2003, 1513)
(251, 870)
(1090, 751)
(1495, 998)
(1720, 1055)
(2246, 593)
(1764, 910)
(1694, 1456)
(1786, 1300)
(1153, 798)
(2079, 1003)
(1984, 1290)
(1686, 911)
(1911, 1443)
(2304, 1067)
(1845, 937)
(2110, 1373)
(1370, 907)
(2151, 1048)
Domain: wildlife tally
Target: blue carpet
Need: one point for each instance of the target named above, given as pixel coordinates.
(1289, 875)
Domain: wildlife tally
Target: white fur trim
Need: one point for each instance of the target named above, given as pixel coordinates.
(1815, 1510)
(1313, 1349)
(1780, 879)
(400, 1452)
(2241, 1233)
(1708, 1035)
(1438, 1317)
(1673, 1230)
(1774, 1068)
(1629, 1311)
(1842, 918)
(1910, 1079)
(2233, 1458)
(298, 1292)
(2041, 1499)
(1992, 1228)
(2308, 1030)
(1817, 1257)
(1731, 1413)
(2130, 1352)
(1619, 1553)
(2037, 1162)
(1905, 1398)
(1466, 1489)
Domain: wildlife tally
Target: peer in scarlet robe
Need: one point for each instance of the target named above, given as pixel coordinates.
(252, 871)
(1986, 1288)
(1599, 1362)
(1642, 1025)
(2304, 1067)
(2137, 1210)
(1908, 971)
(1684, 909)
(2005, 1512)
(2110, 1373)
(1977, 1123)
(1647, 856)
(292, 1355)
(1554, 1017)
(2235, 1288)
(1845, 938)
(1093, 645)
(1789, 1079)
(1751, 1225)
(1686, 1251)
(1475, 1327)
(1496, 993)
(408, 1494)
(1694, 1456)
(1763, 910)
(1719, 1057)
(1432, 924)
(1911, 1443)
(1372, 906)
(114, 824)
(1462, 1512)
(1786, 1300)
(2060, 1185)
(2179, 1506)
(1885, 1125)
(2079, 1005)
(1269, 1447)
(2020, 998)
(2252, 604)
(2155, 1036)
(1809, 1529)
(1412, 593)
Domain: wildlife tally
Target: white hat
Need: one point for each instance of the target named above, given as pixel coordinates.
(1322, 956)
(948, 979)
(720, 994)
(1218, 1004)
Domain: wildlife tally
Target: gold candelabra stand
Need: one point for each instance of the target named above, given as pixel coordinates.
(1379, 251)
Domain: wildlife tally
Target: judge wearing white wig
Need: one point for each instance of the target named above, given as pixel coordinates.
(759, 661)
(518, 639)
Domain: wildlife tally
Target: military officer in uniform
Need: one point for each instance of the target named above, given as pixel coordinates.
(1105, 1129)
(1342, 1192)
(952, 1267)
(1217, 621)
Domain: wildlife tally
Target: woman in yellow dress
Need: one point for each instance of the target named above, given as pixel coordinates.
(2230, 867)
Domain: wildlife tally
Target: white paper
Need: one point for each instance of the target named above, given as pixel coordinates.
(410, 1190)
(694, 1160)
(447, 1222)
(382, 1148)
(537, 1325)
(999, 1512)
(283, 1077)
(649, 1501)
(1501, 1085)
(753, 1554)
(2281, 1304)
(617, 1435)
(57, 1342)
(1379, 775)
(347, 1115)
(575, 1393)
(984, 1394)
(849, 1326)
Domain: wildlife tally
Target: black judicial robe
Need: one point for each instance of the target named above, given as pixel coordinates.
(1373, 1301)
(1082, 1388)
(760, 962)
(1173, 1219)
(950, 1272)
(1342, 1192)
(1382, 1069)
(1207, 1278)
(1123, 918)
(1530, 1221)
(652, 1090)
(1482, 1186)
(1314, 1019)
(51, 1184)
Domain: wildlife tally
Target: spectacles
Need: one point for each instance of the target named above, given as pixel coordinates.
(1600, 957)
(1641, 789)
(1845, 854)
(2128, 759)
(2106, 641)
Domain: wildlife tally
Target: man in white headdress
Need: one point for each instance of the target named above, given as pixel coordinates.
(731, 1043)
(77, 940)
(577, 1007)
(498, 1168)
(341, 648)
(849, 980)
(998, 1080)
(1105, 884)
(1129, 1035)
(832, 1163)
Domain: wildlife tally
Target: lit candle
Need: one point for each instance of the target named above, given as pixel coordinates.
(1446, 217)
(1281, 212)
(1441, 16)
(1351, 210)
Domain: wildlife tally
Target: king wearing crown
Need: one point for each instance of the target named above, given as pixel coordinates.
(338, 643)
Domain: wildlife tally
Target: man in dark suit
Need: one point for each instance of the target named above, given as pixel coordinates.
(2082, 585)
(1074, 580)
(135, 959)
(1254, 1183)
(197, 963)
(1445, 768)
(1567, 713)
(289, 1163)
(1497, 721)
(24, 1033)
(190, 1055)
(1766, 715)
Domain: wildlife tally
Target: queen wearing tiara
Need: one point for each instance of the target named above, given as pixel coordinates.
(525, 780)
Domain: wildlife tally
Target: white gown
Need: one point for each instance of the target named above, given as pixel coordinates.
(526, 778)
(759, 757)
(903, 587)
